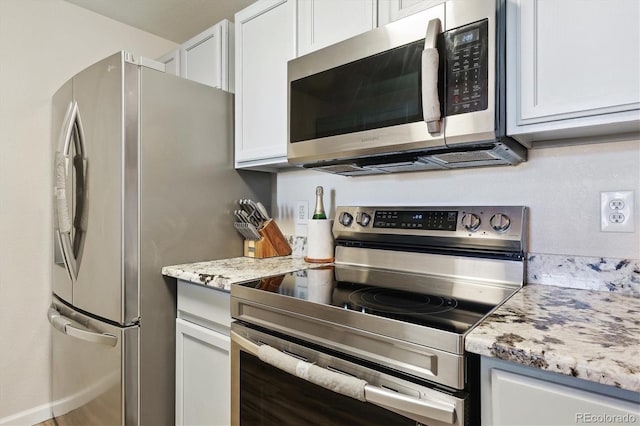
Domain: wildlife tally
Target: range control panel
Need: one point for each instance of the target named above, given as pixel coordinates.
(490, 222)
(421, 219)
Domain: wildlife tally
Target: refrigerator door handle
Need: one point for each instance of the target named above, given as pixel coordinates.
(70, 232)
(74, 329)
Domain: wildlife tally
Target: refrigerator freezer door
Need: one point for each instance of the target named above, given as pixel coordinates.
(89, 369)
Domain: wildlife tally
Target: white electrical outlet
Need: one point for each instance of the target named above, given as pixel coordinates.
(302, 212)
(616, 211)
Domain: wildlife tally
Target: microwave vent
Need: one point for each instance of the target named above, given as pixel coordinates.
(499, 153)
(346, 170)
(407, 166)
(464, 157)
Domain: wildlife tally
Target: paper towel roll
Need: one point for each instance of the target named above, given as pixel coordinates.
(319, 241)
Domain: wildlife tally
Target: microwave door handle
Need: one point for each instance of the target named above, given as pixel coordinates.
(430, 63)
(422, 410)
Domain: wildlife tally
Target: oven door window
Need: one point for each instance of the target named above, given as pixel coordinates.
(371, 93)
(270, 396)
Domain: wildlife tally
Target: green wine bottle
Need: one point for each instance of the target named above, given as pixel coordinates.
(319, 213)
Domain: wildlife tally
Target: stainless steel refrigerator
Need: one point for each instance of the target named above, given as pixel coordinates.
(143, 178)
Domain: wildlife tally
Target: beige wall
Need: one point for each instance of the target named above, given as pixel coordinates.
(561, 186)
(42, 44)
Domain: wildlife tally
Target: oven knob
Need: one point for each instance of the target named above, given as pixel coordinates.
(346, 219)
(500, 222)
(363, 219)
(471, 222)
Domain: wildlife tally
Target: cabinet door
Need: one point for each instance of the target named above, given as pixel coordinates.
(205, 58)
(522, 400)
(392, 10)
(324, 22)
(203, 376)
(572, 63)
(264, 44)
(171, 62)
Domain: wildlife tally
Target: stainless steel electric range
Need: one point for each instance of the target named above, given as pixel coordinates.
(377, 338)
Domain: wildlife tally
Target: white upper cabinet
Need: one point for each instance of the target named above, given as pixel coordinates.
(573, 70)
(392, 10)
(171, 61)
(324, 22)
(206, 57)
(264, 35)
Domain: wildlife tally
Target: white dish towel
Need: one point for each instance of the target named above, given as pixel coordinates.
(335, 382)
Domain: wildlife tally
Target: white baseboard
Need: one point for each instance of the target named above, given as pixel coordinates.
(63, 405)
(28, 417)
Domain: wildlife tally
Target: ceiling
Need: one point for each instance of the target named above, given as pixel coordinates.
(175, 20)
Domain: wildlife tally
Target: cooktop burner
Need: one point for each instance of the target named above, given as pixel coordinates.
(400, 302)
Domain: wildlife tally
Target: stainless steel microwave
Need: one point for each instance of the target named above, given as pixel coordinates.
(425, 92)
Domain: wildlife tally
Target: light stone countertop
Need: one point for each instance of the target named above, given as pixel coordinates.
(222, 273)
(591, 335)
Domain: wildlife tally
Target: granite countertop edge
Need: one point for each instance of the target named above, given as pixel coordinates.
(590, 335)
(221, 274)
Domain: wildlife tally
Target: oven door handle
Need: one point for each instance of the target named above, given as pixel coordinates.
(421, 410)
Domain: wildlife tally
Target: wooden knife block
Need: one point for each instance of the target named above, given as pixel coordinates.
(272, 243)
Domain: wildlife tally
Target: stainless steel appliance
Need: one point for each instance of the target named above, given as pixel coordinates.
(143, 179)
(379, 337)
(395, 100)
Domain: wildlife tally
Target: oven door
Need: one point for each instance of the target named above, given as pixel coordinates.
(275, 381)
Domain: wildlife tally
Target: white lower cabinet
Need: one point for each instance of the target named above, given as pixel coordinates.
(202, 356)
(514, 395)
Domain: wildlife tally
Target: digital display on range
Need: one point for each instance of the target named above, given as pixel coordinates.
(427, 220)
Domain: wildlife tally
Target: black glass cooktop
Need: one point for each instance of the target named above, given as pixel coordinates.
(418, 299)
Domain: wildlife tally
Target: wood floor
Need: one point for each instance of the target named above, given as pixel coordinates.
(49, 422)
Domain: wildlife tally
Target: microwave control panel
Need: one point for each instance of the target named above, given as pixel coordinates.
(467, 68)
